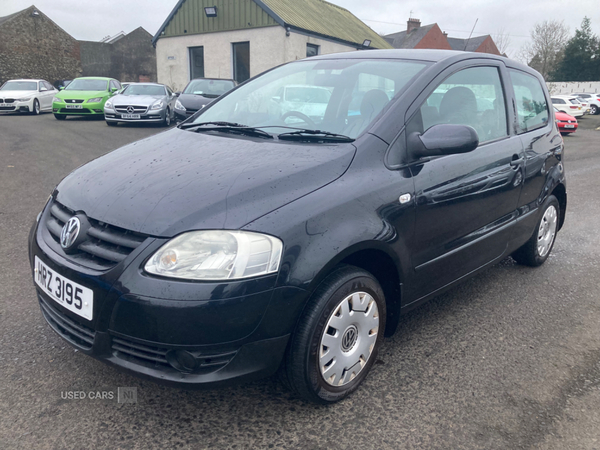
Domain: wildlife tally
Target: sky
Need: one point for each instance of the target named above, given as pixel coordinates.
(93, 19)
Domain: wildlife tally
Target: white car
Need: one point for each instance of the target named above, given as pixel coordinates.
(568, 104)
(31, 96)
(592, 99)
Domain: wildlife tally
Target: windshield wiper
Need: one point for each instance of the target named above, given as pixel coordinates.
(185, 126)
(226, 127)
(315, 135)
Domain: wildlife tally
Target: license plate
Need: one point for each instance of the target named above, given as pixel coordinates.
(569, 126)
(5, 105)
(74, 106)
(130, 116)
(73, 296)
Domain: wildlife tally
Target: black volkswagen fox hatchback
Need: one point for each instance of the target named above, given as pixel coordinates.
(270, 233)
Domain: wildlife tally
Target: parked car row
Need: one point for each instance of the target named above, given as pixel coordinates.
(577, 105)
(115, 101)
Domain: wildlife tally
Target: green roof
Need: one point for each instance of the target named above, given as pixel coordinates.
(326, 19)
(316, 17)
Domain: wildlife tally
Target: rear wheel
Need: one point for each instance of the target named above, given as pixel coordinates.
(336, 342)
(60, 116)
(594, 110)
(537, 249)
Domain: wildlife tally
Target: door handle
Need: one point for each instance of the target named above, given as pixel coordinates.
(516, 163)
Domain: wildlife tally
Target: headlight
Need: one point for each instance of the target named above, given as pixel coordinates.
(108, 104)
(158, 105)
(217, 255)
(57, 100)
(26, 99)
(95, 100)
(178, 105)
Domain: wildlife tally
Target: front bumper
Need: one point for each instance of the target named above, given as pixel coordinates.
(151, 116)
(195, 334)
(17, 106)
(87, 109)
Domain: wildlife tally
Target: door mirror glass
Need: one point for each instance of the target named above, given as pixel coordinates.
(43, 89)
(443, 139)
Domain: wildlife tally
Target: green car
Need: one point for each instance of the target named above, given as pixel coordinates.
(84, 97)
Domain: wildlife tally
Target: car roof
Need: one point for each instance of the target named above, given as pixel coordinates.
(147, 84)
(27, 79)
(563, 96)
(216, 79)
(94, 78)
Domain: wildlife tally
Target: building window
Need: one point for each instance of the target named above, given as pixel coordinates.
(312, 50)
(196, 62)
(241, 61)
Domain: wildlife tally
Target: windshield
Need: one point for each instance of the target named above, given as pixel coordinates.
(87, 85)
(340, 96)
(19, 86)
(144, 89)
(209, 88)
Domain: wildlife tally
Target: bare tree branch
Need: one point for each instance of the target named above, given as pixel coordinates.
(545, 50)
(502, 40)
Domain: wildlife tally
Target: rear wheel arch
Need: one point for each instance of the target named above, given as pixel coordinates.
(560, 192)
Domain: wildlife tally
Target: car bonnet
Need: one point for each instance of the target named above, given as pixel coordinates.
(181, 180)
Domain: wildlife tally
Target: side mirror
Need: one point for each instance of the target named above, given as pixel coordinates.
(443, 139)
(178, 93)
(113, 90)
(276, 99)
(60, 88)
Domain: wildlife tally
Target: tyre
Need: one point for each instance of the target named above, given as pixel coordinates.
(594, 110)
(111, 124)
(537, 249)
(60, 116)
(167, 121)
(36, 107)
(337, 339)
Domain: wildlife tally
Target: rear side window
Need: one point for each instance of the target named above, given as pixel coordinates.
(532, 108)
(558, 101)
(473, 97)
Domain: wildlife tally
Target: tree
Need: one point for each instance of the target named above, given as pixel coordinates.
(581, 61)
(502, 40)
(545, 50)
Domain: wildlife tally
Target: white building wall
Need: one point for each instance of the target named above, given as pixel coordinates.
(569, 87)
(269, 47)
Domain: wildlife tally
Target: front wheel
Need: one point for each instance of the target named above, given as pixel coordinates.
(167, 121)
(594, 110)
(336, 341)
(537, 249)
(36, 107)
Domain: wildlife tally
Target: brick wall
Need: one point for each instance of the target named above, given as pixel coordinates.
(434, 39)
(488, 46)
(35, 47)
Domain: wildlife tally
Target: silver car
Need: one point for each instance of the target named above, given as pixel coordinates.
(141, 102)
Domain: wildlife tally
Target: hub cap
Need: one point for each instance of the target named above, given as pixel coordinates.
(348, 339)
(547, 231)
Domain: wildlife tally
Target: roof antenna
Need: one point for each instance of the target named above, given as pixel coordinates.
(467, 43)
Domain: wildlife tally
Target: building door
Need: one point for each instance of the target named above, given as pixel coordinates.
(241, 61)
(196, 62)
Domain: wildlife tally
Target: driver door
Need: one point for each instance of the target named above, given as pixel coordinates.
(465, 203)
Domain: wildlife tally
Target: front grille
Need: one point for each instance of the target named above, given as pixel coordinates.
(7, 108)
(104, 246)
(139, 353)
(70, 330)
(78, 111)
(7, 100)
(73, 101)
(122, 109)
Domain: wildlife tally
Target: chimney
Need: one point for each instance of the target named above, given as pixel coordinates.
(412, 24)
(445, 34)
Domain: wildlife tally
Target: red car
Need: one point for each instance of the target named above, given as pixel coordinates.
(566, 123)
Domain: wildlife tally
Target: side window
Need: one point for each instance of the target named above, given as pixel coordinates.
(558, 101)
(471, 97)
(532, 108)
